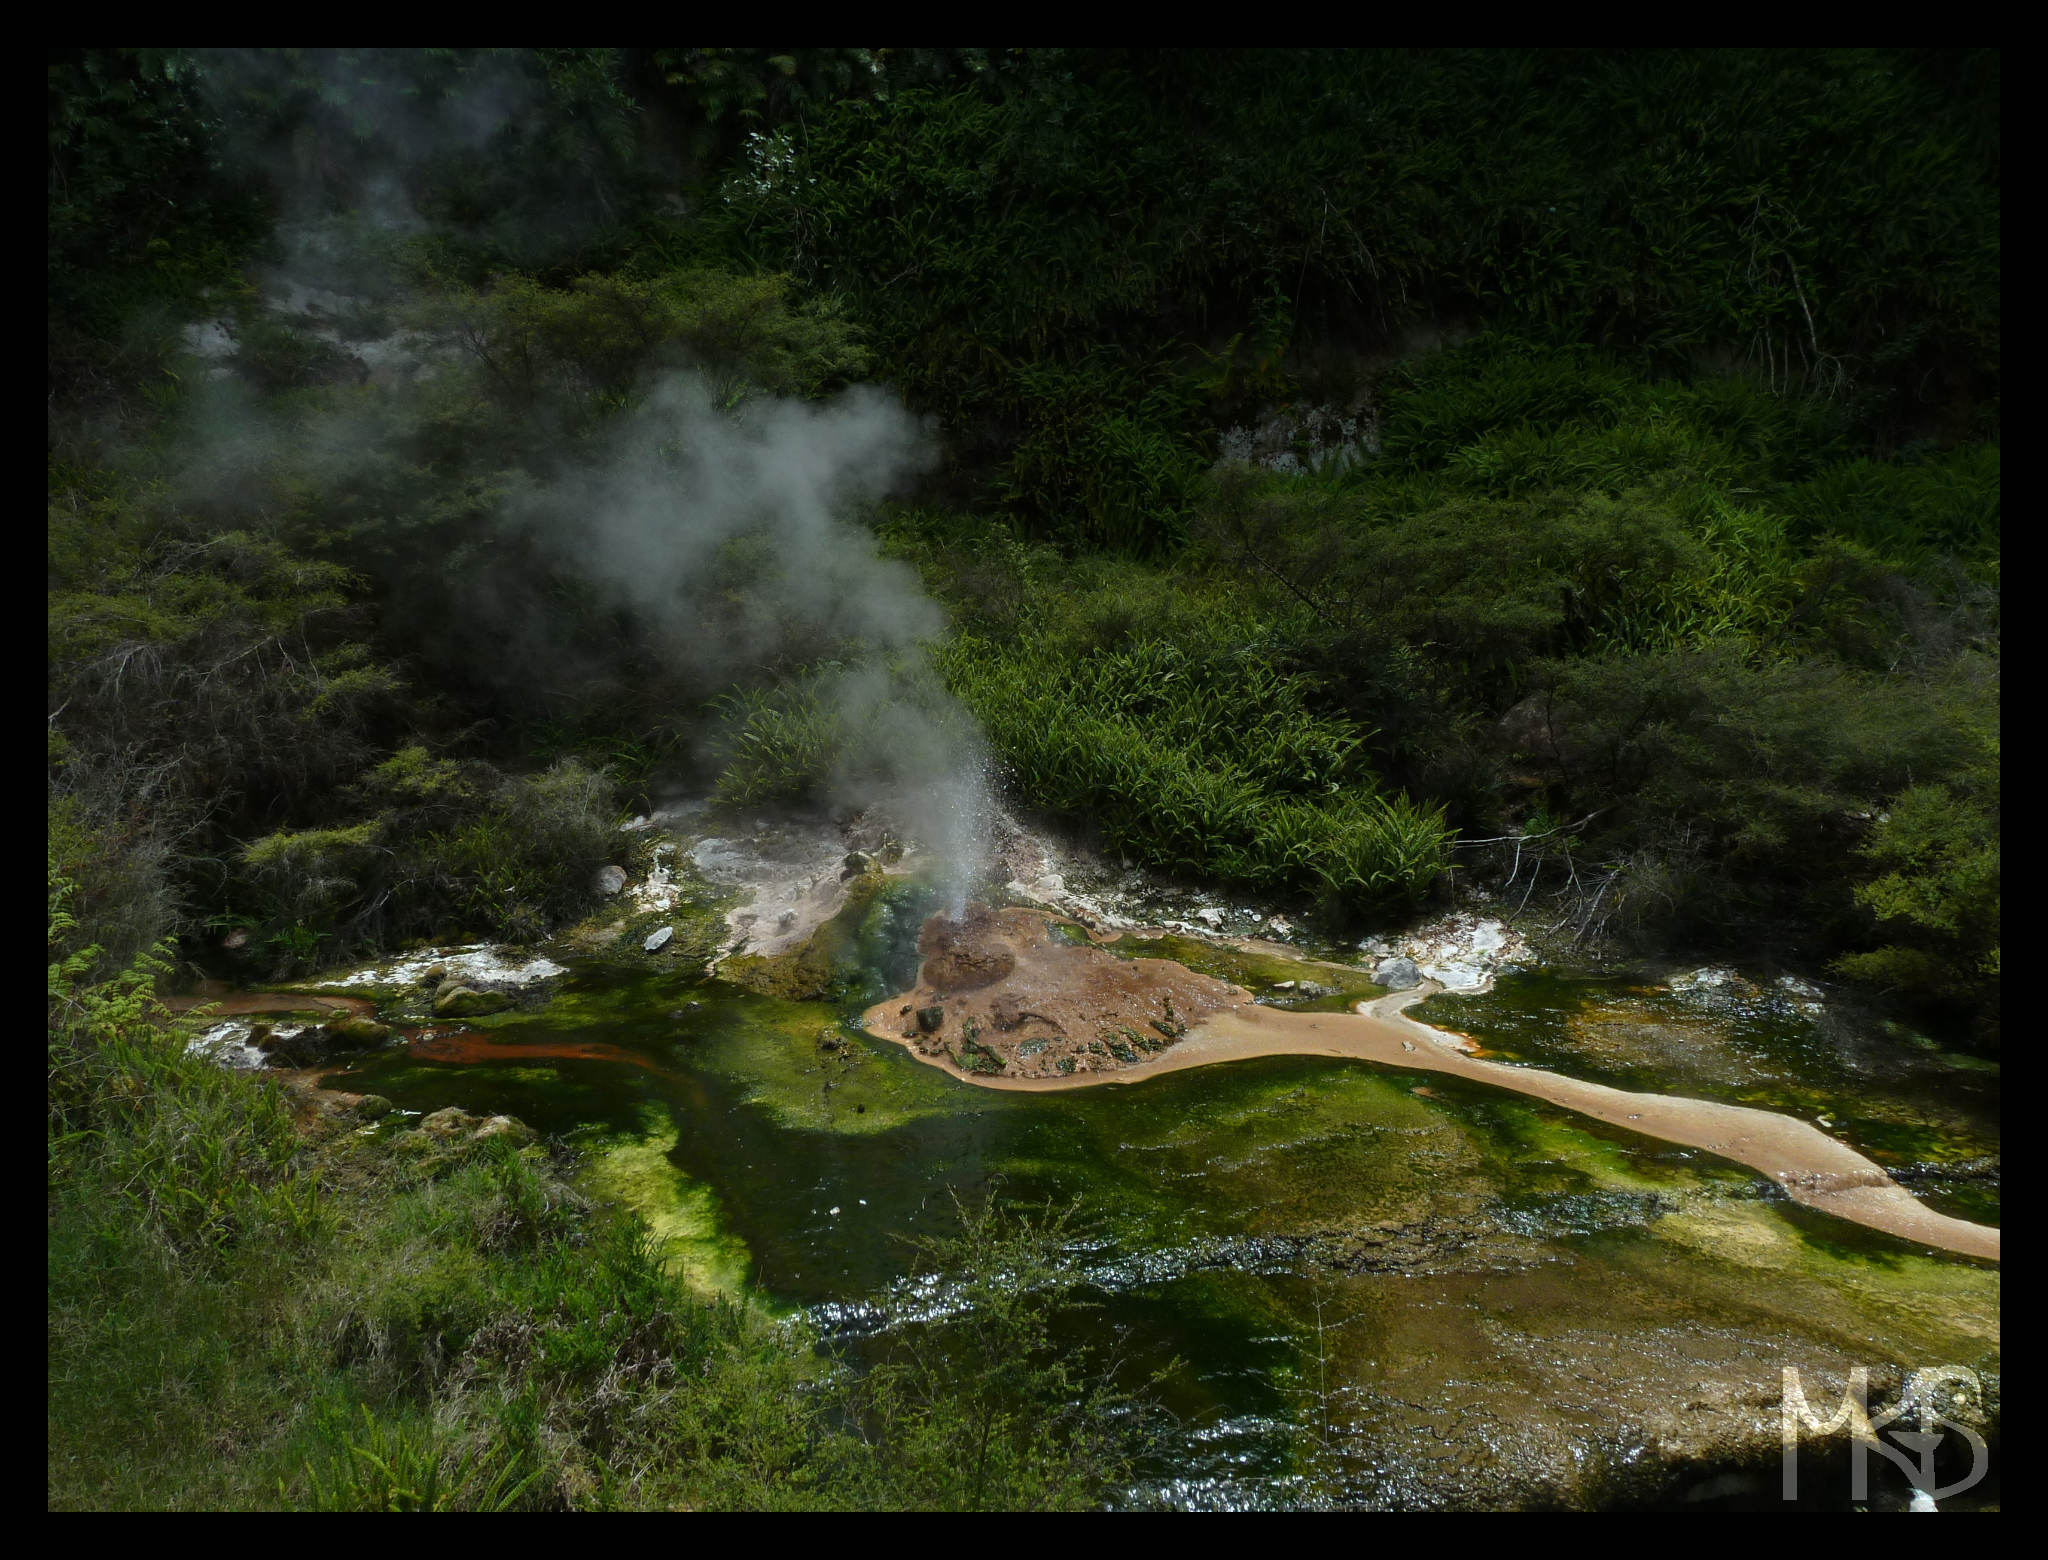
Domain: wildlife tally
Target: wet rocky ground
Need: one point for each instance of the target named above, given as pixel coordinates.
(1365, 1288)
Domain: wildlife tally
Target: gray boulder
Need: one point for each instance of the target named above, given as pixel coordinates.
(1529, 728)
(356, 1030)
(1397, 974)
(610, 880)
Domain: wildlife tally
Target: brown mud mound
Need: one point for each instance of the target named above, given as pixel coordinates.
(965, 954)
(998, 995)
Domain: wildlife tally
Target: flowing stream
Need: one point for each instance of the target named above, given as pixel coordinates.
(1367, 1284)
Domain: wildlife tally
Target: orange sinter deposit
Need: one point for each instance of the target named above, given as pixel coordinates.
(1000, 997)
(1003, 1003)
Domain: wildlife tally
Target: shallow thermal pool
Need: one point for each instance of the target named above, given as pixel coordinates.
(1372, 1286)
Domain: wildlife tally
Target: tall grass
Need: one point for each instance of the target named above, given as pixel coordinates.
(1212, 769)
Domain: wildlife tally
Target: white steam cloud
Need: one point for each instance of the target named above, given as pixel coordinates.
(730, 536)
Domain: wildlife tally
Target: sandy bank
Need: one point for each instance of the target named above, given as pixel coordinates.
(235, 1004)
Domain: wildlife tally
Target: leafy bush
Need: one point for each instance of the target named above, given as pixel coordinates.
(449, 845)
(197, 685)
(1827, 219)
(1909, 513)
(603, 336)
(1937, 890)
(778, 745)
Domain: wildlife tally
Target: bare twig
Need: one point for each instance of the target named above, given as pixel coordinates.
(1563, 828)
(1588, 921)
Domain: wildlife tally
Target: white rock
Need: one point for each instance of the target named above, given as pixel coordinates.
(477, 965)
(1457, 974)
(209, 340)
(659, 938)
(1397, 974)
(228, 1044)
(720, 860)
(1487, 937)
(1211, 918)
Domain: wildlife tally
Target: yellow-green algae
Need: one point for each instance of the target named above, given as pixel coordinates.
(811, 1071)
(683, 1214)
(869, 942)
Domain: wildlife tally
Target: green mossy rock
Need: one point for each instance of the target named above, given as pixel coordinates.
(355, 1030)
(461, 1002)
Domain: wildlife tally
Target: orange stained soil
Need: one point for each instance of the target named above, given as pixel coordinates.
(473, 1047)
(998, 993)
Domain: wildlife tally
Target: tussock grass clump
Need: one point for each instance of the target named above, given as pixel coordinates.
(1212, 769)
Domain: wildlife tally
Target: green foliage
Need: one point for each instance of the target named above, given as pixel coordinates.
(1937, 891)
(1144, 220)
(1909, 513)
(393, 1466)
(156, 1136)
(779, 745)
(1208, 766)
(1568, 589)
(520, 156)
(447, 846)
(247, 1313)
(197, 682)
(138, 212)
(602, 338)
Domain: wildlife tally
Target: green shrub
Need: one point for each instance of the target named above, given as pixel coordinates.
(777, 745)
(448, 847)
(604, 336)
